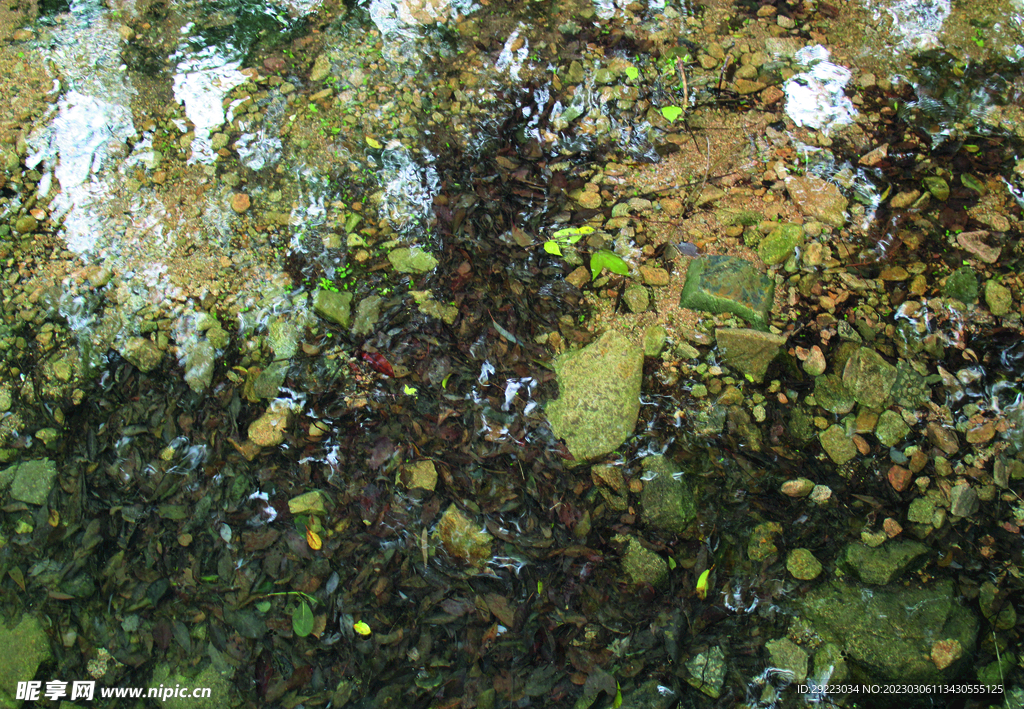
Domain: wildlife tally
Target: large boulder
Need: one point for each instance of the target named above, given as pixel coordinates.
(905, 635)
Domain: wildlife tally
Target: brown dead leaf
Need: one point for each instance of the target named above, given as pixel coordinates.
(498, 605)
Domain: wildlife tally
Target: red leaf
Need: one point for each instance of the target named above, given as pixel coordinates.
(378, 363)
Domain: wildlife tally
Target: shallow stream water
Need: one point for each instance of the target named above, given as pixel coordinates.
(223, 162)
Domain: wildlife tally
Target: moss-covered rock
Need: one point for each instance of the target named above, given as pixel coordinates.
(600, 396)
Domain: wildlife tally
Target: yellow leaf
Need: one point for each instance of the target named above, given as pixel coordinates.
(373, 143)
(313, 539)
(362, 628)
(702, 584)
(411, 391)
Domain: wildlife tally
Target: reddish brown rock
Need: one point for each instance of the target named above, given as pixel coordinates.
(981, 434)
(654, 276)
(946, 652)
(942, 438)
(892, 527)
(899, 478)
(275, 64)
(240, 202)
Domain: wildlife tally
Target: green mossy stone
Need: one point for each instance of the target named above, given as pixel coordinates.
(599, 398)
(726, 284)
(779, 245)
(891, 429)
(414, 260)
(962, 285)
(333, 306)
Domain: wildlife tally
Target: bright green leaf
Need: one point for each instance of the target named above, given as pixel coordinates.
(632, 73)
(375, 144)
(572, 234)
(603, 259)
(302, 620)
(671, 113)
(552, 248)
(411, 391)
(362, 628)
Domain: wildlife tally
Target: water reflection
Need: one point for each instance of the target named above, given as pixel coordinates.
(202, 79)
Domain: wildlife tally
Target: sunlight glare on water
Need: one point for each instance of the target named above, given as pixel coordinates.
(202, 81)
(90, 125)
(916, 23)
(816, 98)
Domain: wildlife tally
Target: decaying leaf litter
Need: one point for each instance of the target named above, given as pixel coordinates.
(414, 532)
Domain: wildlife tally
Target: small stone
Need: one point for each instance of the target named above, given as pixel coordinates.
(892, 527)
(779, 245)
(963, 500)
(414, 260)
(946, 652)
(942, 438)
(590, 200)
(333, 306)
(899, 478)
(872, 539)
(840, 448)
(921, 510)
(654, 340)
(653, 276)
(891, 428)
(800, 487)
(787, 655)
(821, 494)
(761, 544)
(141, 353)
(998, 298)
(981, 434)
(974, 243)
(31, 481)
(240, 202)
(268, 429)
(875, 156)
(636, 298)
(321, 68)
(962, 285)
(904, 199)
(579, 277)
(642, 565)
(815, 363)
(367, 314)
(894, 273)
(608, 475)
(463, 538)
(746, 86)
(420, 474)
(802, 564)
(25, 224)
(707, 671)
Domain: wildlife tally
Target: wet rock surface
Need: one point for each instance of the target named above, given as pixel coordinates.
(890, 634)
(599, 398)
